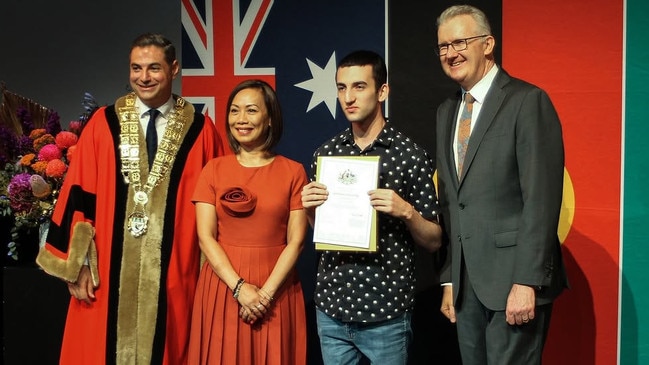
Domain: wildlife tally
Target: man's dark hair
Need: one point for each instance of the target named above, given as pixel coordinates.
(158, 40)
(363, 58)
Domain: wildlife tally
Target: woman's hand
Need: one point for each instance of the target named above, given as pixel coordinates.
(253, 306)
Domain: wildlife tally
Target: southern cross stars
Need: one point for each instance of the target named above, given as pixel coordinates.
(322, 85)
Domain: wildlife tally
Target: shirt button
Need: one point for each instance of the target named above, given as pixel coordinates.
(349, 285)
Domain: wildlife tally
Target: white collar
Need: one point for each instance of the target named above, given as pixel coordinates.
(163, 109)
(479, 90)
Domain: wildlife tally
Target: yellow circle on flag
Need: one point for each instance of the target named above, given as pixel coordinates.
(567, 207)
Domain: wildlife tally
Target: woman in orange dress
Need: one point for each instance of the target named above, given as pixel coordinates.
(249, 305)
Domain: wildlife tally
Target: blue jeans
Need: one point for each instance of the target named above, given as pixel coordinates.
(384, 343)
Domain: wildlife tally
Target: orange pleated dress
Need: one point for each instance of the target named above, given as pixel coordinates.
(253, 244)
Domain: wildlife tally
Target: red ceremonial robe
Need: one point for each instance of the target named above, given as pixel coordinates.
(145, 286)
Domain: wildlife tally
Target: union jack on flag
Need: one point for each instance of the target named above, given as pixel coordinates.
(292, 47)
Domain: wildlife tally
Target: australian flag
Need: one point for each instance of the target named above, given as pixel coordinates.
(293, 47)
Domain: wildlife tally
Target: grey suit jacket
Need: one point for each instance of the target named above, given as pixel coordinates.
(501, 216)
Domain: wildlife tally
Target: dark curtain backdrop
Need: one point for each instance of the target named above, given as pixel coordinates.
(54, 51)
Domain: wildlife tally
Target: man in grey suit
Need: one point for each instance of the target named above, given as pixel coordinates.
(500, 197)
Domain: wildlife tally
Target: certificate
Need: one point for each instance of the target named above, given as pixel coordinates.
(346, 221)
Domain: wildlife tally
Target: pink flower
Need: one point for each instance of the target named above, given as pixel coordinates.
(66, 139)
(49, 152)
(75, 126)
(56, 168)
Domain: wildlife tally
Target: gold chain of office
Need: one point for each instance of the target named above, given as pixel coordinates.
(129, 118)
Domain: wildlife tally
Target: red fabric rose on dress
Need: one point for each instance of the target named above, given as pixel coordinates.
(238, 201)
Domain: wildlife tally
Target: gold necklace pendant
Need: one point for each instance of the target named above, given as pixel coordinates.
(137, 224)
(141, 197)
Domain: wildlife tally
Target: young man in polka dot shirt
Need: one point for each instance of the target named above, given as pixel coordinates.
(364, 300)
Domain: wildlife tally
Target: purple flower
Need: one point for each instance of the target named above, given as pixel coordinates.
(8, 149)
(20, 192)
(25, 145)
(26, 121)
(53, 125)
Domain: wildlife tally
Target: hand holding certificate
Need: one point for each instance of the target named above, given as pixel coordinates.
(346, 221)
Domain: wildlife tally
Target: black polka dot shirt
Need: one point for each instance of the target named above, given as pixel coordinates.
(372, 287)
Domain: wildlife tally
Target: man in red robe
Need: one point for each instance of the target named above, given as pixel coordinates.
(123, 233)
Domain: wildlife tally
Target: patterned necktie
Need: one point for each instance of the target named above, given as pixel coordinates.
(152, 136)
(464, 131)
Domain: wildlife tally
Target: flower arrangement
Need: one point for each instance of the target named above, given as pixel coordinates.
(33, 164)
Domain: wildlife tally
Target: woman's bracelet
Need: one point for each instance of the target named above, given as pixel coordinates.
(237, 288)
(266, 295)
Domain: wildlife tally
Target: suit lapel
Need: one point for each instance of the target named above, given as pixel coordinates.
(493, 102)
